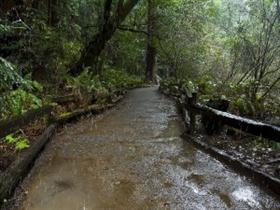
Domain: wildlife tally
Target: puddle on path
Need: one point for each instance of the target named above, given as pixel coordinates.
(134, 158)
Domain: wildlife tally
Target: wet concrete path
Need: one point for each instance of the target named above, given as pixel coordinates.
(134, 158)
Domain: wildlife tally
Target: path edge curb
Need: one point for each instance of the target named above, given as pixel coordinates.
(16, 172)
(257, 176)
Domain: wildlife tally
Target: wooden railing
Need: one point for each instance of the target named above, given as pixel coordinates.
(188, 102)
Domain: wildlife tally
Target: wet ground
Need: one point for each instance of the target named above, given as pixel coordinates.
(134, 158)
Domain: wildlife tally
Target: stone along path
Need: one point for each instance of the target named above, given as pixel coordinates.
(133, 158)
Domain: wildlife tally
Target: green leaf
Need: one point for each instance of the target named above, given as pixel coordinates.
(22, 144)
(11, 139)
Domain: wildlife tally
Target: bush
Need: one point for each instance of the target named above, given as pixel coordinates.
(87, 84)
(17, 102)
(113, 79)
(207, 86)
(8, 75)
(188, 86)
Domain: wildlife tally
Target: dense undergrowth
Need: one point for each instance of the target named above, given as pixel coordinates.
(31, 94)
(108, 81)
(28, 94)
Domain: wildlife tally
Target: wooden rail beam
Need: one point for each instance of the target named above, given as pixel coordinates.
(244, 124)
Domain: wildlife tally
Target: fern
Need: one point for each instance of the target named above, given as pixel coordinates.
(19, 142)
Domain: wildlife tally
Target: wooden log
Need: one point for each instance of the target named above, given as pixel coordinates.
(93, 109)
(64, 99)
(244, 124)
(66, 117)
(18, 169)
(11, 125)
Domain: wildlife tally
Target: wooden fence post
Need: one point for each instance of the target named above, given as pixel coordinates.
(190, 102)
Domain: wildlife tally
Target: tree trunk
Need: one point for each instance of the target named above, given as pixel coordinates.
(7, 5)
(52, 12)
(151, 53)
(35, 4)
(110, 23)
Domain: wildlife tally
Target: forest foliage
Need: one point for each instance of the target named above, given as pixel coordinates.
(224, 48)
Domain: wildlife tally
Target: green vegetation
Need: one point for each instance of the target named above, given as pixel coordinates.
(222, 49)
(208, 88)
(19, 142)
(113, 79)
(15, 101)
(88, 84)
(39, 45)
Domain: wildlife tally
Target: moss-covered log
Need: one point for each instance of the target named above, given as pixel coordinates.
(92, 109)
(17, 170)
(69, 116)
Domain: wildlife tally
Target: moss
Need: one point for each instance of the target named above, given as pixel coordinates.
(66, 114)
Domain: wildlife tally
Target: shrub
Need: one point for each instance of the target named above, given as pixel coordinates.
(17, 102)
(113, 79)
(86, 83)
(8, 75)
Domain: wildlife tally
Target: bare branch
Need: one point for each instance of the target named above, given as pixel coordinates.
(271, 87)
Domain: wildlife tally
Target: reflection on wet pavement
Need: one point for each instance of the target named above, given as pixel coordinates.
(134, 158)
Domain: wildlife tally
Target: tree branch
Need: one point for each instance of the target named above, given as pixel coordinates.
(132, 30)
(271, 86)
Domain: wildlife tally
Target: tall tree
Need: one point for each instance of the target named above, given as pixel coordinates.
(52, 12)
(151, 52)
(110, 24)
